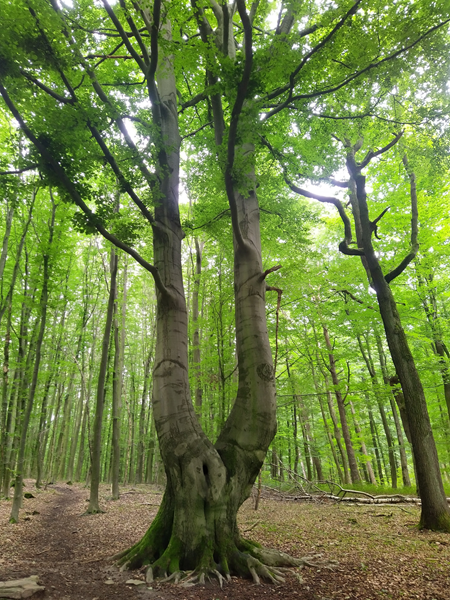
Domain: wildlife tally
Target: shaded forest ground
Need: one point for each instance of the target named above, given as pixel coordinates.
(381, 553)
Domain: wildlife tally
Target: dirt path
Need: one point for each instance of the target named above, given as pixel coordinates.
(381, 554)
(58, 547)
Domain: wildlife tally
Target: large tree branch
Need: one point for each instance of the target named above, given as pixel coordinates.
(19, 171)
(414, 225)
(372, 154)
(313, 51)
(344, 245)
(75, 195)
(126, 40)
(193, 101)
(135, 31)
(46, 89)
(346, 81)
(122, 127)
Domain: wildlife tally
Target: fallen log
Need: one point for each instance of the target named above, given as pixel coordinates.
(20, 588)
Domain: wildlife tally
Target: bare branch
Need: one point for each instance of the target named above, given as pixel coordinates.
(188, 135)
(371, 154)
(46, 89)
(414, 225)
(18, 171)
(271, 270)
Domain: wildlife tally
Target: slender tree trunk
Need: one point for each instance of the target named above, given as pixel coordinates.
(4, 407)
(98, 419)
(373, 432)
(368, 462)
(379, 398)
(435, 511)
(17, 501)
(196, 337)
(325, 421)
(8, 224)
(342, 415)
(141, 442)
(119, 350)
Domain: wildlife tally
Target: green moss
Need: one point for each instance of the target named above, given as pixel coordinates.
(442, 524)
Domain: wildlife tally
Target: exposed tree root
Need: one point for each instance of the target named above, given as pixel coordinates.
(245, 559)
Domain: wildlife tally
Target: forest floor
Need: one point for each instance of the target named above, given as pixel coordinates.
(381, 553)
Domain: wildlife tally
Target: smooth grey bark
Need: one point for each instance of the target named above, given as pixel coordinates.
(17, 500)
(93, 506)
(206, 483)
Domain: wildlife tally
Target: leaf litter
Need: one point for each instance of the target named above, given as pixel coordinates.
(380, 552)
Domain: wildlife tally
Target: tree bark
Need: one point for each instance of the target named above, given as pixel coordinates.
(93, 506)
(403, 458)
(196, 337)
(17, 500)
(341, 407)
(435, 511)
(119, 350)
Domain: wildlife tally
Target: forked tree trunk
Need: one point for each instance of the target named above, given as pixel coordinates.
(196, 525)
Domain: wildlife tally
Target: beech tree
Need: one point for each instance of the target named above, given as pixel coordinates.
(74, 78)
